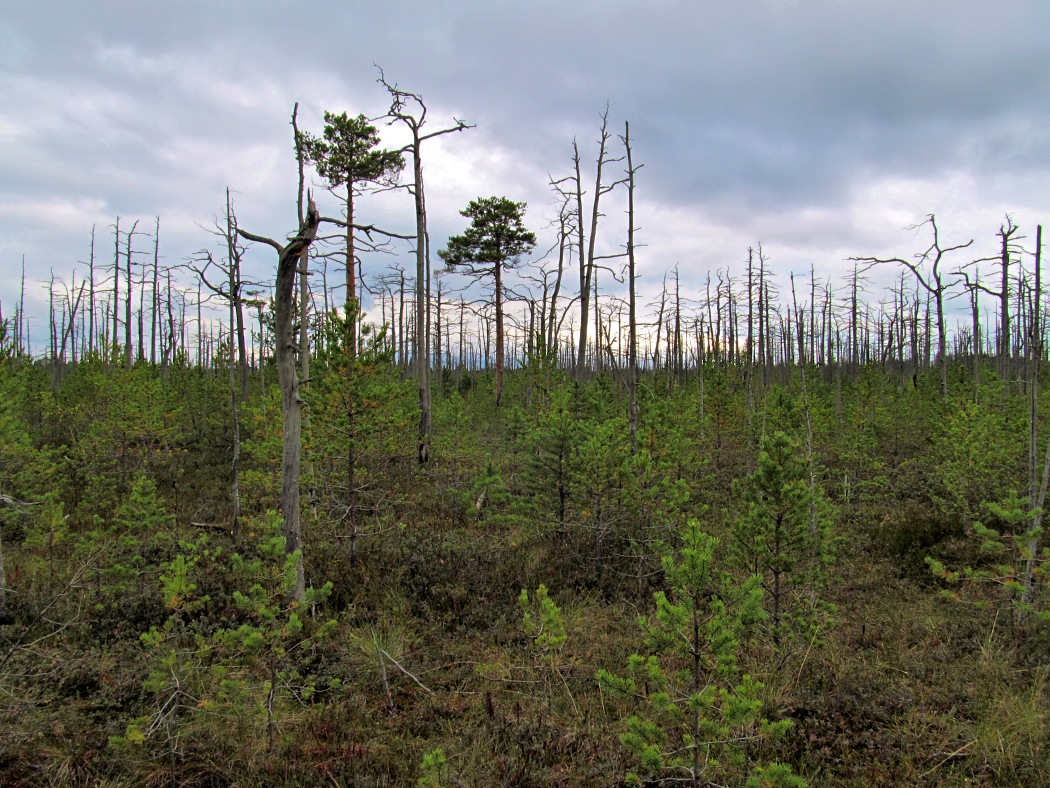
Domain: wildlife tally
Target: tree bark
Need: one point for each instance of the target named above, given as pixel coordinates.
(498, 273)
(288, 257)
(632, 315)
(129, 360)
(934, 286)
(352, 311)
(587, 262)
(116, 290)
(422, 363)
(1035, 503)
(400, 101)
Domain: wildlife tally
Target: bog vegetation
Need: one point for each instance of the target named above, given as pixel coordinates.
(742, 540)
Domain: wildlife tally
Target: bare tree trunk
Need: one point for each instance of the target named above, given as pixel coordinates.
(401, 101)
(660, 319)
(498, 275)
(72, 306)
(927, 355)
(116, 289)
(437, 335)
(91, 294)
(585, 283)
(799, 323)
(812, 314)
(352, 308)
(461, 361)
(141, 352)
(829, 320)
(168, 348)
(304, 268)
(200, 327)
(853, 327)
(155, 299)
(718, 317)
(288, 259)
(304, 316)
(749, 342)
(235, 417)
(127, 301)
(587, 265)
(235, 422)
(942, 341)
(422, 264)
(975, 321)
(236, 297)
(1034, 504)
(632, 316)
(552, 319)
(52, 329)
(763, 333)
(1006, 232)
(21, 339)
(402, 343)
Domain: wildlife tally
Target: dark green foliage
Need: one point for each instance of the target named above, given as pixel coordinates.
(141, 646)
(976, 458)
(696, 709)
(784, 538)
(547, 443)
(243, 674)
(347, 154)
(360, 411)
(495, 236)
(118, 558)
(1002, 557)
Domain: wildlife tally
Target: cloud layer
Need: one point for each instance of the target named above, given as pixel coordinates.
(818, 128)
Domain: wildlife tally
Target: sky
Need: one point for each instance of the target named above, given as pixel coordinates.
(820, 129)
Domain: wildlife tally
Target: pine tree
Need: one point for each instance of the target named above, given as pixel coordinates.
(496, 236)
(784, 539)
(122, 551)
(695, 710)
(359, 410)
(197, 671)
(348, 156)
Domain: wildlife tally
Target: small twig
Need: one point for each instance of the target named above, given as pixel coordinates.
(948, 757)
(16, 503)
(400, 667)
(805, 658)
(213, 526)
(382, 672)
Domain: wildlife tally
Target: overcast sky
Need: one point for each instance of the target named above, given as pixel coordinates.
(818, 128)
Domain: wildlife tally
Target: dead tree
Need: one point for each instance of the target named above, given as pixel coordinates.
(571, 188)
(91, 294)
(932, 282)
(410, 110)
(288, 256)
(230, 288)
(129, 359)
(973, 287)
(1036, 495)
(1007, 238)
(116, 291)
(632, 312)
(304, 263)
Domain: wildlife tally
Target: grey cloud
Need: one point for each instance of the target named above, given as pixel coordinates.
(745, 114)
